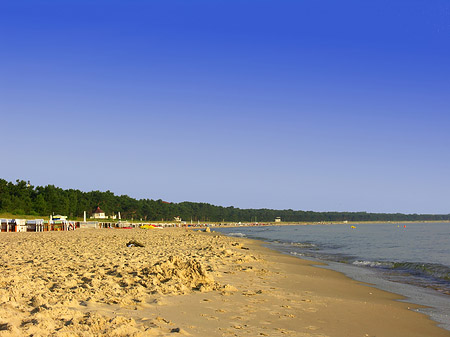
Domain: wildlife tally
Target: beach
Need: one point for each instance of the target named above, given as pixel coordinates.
(183, 282)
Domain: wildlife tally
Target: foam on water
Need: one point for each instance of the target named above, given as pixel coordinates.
(239, 235)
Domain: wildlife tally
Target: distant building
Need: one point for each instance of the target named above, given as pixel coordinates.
(98, 214)
(278, 219)
(177, 218)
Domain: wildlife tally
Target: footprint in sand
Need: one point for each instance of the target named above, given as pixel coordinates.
(209, 317)
(312, 327)
(239, 327)
(284, 331)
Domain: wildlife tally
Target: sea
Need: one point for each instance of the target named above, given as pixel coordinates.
(411, 259)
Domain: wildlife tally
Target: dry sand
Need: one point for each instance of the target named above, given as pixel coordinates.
(90, 283)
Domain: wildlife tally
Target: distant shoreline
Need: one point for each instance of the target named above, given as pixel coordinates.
(326, 223)
(225, 223)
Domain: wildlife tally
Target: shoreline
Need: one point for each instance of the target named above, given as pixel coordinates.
(407, 293)
(357, 295)
(93, 283)
(422, 290)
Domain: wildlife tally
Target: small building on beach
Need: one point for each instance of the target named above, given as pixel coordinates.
(36, 225)
(13, 225)
(98, 214)
(88, 224)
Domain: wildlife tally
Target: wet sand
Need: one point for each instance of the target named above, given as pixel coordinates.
(183, 282)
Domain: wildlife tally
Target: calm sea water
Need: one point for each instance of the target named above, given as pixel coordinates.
(412, 260)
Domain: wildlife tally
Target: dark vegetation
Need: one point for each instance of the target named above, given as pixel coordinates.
(21, 198)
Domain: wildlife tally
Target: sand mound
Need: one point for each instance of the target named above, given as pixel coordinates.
(51, 282)
(178, 276)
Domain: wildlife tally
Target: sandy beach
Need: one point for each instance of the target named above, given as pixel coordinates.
(183, 282)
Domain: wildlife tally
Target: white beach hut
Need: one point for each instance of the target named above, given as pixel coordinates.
(20, 225)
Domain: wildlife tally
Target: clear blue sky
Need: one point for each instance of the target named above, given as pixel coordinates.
(311, 105)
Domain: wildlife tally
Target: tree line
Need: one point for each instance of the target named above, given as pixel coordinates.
(21, 198)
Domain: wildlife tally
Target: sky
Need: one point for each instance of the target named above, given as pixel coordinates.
(305, 105)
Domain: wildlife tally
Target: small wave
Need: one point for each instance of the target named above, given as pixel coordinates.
(297, 254)
(434, 270)
(303, 245)
(262, 229)
(306, 245)
(429, 269)
(239, 235)
(373, 264)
